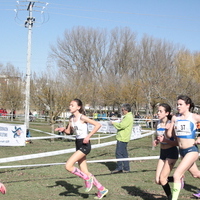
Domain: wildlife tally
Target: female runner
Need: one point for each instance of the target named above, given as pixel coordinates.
(168, 149)
(78, 122)
(184, 125)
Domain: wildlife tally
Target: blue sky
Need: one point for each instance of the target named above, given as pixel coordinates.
(176, 21)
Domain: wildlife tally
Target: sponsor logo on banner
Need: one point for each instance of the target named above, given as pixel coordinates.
(12, 135)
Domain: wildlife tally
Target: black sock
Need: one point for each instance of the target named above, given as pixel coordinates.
(170, 179)
(167, 189)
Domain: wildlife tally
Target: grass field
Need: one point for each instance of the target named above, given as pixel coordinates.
(55, 183)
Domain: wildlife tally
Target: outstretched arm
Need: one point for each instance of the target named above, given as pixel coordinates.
(65, 130)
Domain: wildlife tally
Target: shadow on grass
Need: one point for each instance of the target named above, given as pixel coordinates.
(23, 169)
(136, 148)
(134, 191)
(112, 166)
(71, 190)
(191, 188)
(99, 155)
(32, 180)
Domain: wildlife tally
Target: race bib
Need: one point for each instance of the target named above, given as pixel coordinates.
(182, 127)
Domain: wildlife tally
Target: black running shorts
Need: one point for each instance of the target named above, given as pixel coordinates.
(171, 153)
(85, 148)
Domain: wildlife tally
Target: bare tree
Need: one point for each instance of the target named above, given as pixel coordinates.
(188, 74)
(49, 93)
(157, 69)
(120, 71)
(109, 68)
(12, 88)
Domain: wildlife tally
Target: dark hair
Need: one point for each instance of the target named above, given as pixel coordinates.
(126, 107)
(79, 103)
(167, 109)
(187, 101)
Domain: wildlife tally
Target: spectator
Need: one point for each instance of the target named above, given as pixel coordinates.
(104, 116)
(124, 130)
(137, 116)
(148, 121)
(35, 114)
(95, 116)
(98, 116)
(14, 114)
(112, 116)
(30, 116)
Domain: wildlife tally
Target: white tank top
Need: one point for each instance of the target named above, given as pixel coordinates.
(80, 128)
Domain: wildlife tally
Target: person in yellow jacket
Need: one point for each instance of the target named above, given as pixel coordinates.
(95, 116)
(124, 130)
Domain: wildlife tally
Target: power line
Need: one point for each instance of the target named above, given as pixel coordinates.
(69, 7)
(7, 9)
(124, 22)
(63, 7)
(119, 12)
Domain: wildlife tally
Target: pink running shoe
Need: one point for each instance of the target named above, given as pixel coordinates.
(197, 195)
(182, 182)
(101, 193)
(88, 184)
(2, 188)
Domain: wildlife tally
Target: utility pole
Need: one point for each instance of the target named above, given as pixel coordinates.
(28, 24)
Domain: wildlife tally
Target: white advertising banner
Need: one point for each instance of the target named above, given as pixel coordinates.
(136, 132)
(12, 135)
(107, 127)
(103, 129)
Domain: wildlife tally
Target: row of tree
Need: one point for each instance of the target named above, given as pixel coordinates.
(107, 69)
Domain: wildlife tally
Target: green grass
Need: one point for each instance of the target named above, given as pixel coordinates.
(55, 183)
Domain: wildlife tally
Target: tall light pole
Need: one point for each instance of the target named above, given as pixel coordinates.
(28, 24)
